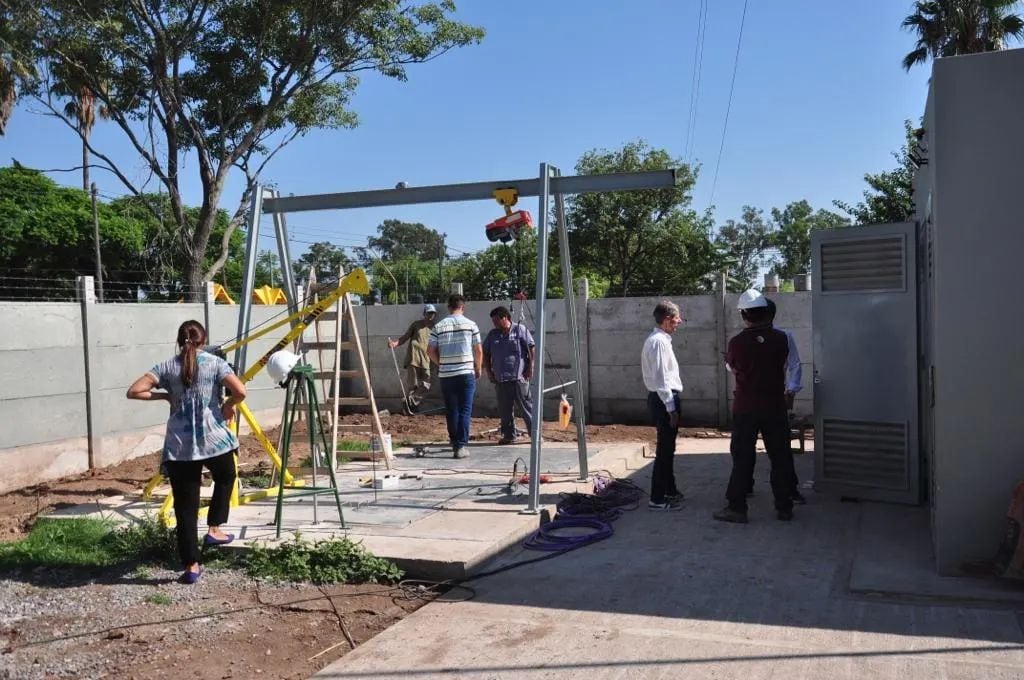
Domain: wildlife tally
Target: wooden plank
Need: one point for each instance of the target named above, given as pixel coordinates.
(343, 374)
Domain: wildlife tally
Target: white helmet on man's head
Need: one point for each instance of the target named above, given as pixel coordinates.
(429, 309)
(280, 365)
(751, 299)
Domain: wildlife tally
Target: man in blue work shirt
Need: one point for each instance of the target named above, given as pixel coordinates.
(508, 360)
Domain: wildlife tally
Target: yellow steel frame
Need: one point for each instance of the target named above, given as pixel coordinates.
(353, 282)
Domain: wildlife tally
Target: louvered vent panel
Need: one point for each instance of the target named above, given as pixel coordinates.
(865, 453)
(864, 265)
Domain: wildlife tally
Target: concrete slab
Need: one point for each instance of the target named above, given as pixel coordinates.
(679, 594)
(444, 521)
(896, 559)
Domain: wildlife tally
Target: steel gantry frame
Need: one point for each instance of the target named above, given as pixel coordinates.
(549, 186)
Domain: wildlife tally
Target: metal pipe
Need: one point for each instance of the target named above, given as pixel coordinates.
(558, 387)
(574, 335)
(284, 255)
(543, 207)
(248, 275)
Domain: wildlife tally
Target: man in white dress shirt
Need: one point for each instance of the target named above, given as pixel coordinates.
(664, 386)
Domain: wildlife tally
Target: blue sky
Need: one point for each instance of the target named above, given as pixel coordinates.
(819, 100)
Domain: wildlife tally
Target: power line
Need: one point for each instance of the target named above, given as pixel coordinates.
(728, 107)
(695, 78)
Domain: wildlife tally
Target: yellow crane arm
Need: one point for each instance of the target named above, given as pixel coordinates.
(353, 282)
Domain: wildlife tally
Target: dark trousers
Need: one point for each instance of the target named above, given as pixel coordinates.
(663, 478)
(458, 394)
(796, 479)
(774, 429)
(186, 479)
(512, 394)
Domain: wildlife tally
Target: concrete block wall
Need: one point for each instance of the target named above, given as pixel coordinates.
(43, 414)
(612, 332)
(43, 405)
(378, 323)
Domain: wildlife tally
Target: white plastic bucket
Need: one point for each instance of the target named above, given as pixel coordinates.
(377, 449)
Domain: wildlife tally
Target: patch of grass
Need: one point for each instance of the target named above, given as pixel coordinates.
(92, 543)
(86, 542)
(159, 598)
(60, 543)
(353, 445)
(143, 571)
(259, 480)
(331, 561)
(145, 540)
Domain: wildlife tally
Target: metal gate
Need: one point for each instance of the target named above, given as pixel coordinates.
(865, 362)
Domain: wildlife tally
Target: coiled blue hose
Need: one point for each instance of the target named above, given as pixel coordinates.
(548, 538)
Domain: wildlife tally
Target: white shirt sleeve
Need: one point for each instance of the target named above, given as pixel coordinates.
(664, 363)
(794, 371)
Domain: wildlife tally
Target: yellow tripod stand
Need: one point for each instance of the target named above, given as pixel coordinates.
(353, 282)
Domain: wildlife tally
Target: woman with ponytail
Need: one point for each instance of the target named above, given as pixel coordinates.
(198, 435)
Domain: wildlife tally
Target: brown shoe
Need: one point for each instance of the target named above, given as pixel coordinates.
(727, 514)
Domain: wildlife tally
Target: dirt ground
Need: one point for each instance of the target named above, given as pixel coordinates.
(142, 624)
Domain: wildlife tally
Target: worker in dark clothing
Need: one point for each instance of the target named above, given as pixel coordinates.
(757, 356)
(794, 375)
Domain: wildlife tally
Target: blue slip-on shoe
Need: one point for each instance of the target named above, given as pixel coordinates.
(211, 540)
(191, 577)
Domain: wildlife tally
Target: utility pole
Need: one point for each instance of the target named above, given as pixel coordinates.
(96, 241)
(440, 265)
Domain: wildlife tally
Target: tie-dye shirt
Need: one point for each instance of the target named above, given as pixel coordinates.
(195, 430)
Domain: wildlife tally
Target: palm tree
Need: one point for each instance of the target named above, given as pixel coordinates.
(13, 70)
(949, 27)
(82, 108)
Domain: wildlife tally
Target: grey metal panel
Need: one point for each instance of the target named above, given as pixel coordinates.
(473, 191)
(865, 340)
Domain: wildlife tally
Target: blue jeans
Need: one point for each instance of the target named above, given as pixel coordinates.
(458, 394)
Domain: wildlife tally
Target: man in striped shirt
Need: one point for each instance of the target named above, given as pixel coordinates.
(455, 348)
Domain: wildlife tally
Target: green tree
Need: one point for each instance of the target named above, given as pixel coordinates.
(501, 270)
(325, 258)
(267, 271)
(946, 28)
(640, 240)
(396, 240)
(228, 83)
(744, 244)
(890, 195)
(162, 261)
(46, 238)
(792, 235)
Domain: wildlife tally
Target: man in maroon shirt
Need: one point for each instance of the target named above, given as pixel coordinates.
(757, 357)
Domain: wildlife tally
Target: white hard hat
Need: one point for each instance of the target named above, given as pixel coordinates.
(280, 365)
(751, 299)
(429, 309)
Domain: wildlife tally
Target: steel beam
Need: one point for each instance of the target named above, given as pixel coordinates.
(474, 191)
(540, 337)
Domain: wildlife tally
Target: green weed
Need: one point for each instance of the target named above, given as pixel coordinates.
(331, 561)
(159, 598)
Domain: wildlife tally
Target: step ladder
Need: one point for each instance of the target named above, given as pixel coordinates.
(326, 352)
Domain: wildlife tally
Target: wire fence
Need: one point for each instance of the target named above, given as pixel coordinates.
(393, 288)
(64, 288)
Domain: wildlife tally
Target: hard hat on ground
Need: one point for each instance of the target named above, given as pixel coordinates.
(751, 299)
(429, 309)
(280, 365)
